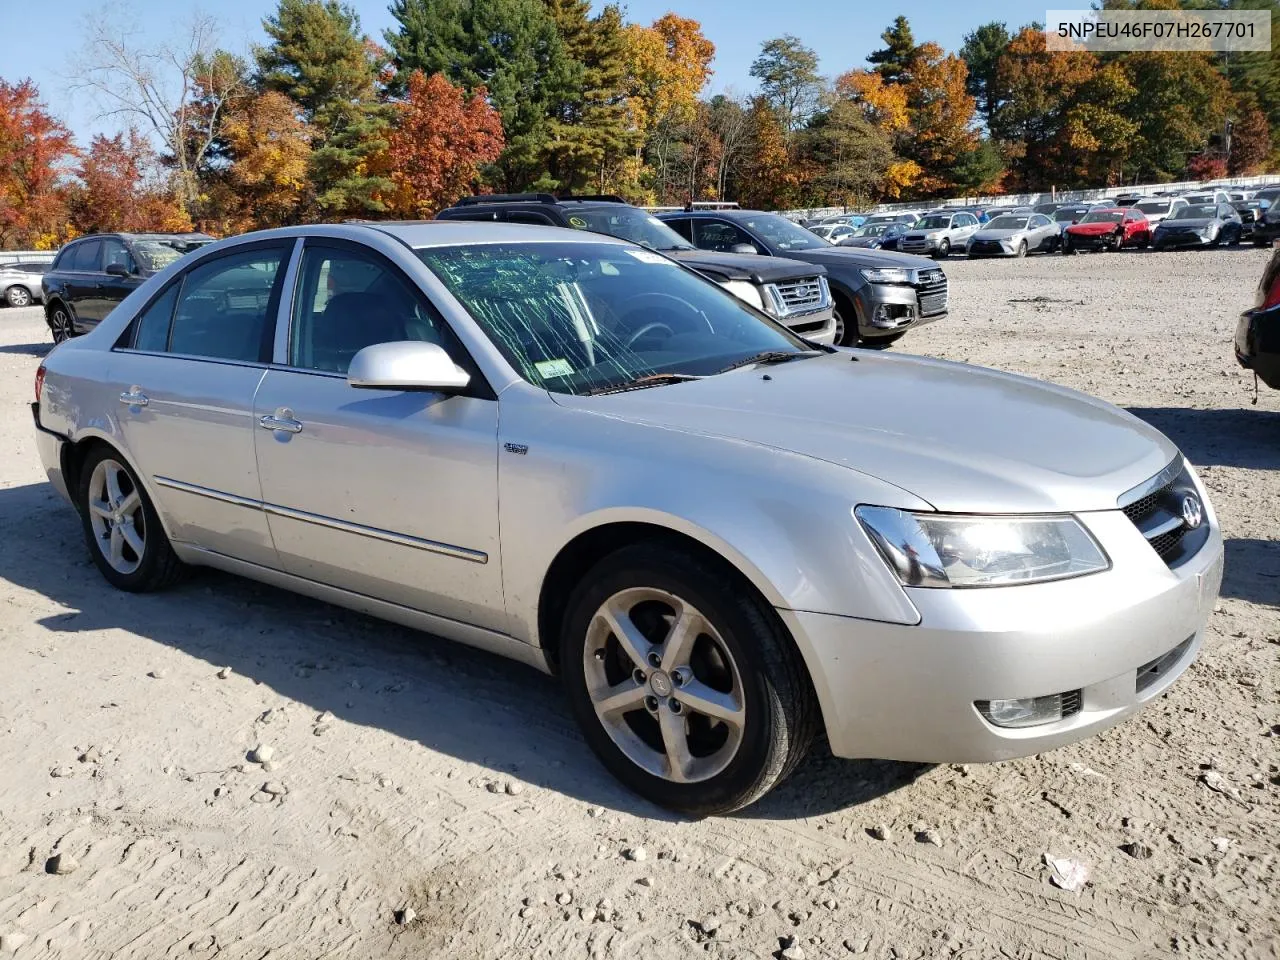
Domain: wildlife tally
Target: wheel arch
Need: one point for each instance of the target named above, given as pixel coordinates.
(589, 546)
(74, 453)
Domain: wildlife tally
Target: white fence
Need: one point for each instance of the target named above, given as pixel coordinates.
(27, 256)
(1020, 199)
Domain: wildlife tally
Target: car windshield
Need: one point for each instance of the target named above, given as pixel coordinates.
(1006, 223)
(155, 255)
(588, 317)
(1199, 211)
(935, 222)
(1154, 206)
(1068, 213)
(1104, 216)
(628, 224)
(782, 233)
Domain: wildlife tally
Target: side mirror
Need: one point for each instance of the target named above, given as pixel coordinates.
(406, 365)
(117, 270)
(744, 248)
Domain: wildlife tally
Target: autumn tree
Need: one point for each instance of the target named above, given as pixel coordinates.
(981, 54)
(1180, 100)
(770, 178)
(318, 58)
(155, 86)
(442, 137)
(1250, 139)
(513, 49)
(34, 150)
(850, 156)
(892, 61)
(789, 78)
(729, 122)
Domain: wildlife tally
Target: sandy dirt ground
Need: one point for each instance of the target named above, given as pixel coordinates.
(408, 774)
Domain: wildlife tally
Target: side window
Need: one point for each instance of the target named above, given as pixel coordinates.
(224, 308)
(526, 216)
(87, 257)
(682, 227)
(347, 300)
(152, 331)
(114, 251)
(718, 235)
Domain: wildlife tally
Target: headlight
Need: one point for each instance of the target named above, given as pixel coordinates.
(886, 275)
(950, 550)
(745, 291)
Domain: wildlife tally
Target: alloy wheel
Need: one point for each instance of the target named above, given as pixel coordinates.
(664, 685)
(18, 297)
(116, 516)
(60, 324)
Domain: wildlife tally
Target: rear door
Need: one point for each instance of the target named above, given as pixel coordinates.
(83, 275)
(187, 379)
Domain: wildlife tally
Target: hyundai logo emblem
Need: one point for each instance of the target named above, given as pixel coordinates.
(1192, 511)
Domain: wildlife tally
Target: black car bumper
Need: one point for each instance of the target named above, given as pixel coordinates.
(889, 309)
(1257, 344)
(1182, 238)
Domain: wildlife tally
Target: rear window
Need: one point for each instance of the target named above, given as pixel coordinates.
(1154, 206)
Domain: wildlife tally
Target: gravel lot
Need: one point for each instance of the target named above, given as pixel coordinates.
(410, 773)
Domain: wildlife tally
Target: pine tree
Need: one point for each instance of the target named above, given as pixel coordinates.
(589, 129)
(981, 53)
(319, 59)
(893, 60)
(511, 48)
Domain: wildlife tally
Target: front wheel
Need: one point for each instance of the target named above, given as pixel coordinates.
(1067, 249)
(125, 538)
(844, 335)
(944, 249)
(17, 296)
(685, 683)
(1022, 249)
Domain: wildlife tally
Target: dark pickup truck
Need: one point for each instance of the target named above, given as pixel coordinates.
(792, 292)
(878, 296)
(92, 274)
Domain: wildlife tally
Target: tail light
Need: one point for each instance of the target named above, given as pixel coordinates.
(39, 381)
(1271, 297)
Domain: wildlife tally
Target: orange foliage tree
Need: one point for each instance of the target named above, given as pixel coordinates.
(440, 140)
(120, 189)
(267, 147)
(34, 150)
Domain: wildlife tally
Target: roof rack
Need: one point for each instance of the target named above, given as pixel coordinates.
(594, 197)
(505, 198)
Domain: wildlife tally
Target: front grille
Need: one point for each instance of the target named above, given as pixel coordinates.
(931, 292)
(1070, 703)
(1150, 673)
(985, 246)
(799, 296)
(1157, 510)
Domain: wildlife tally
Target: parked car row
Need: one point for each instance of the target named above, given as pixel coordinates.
(20, 282)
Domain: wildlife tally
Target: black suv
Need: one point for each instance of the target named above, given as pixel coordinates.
(878, 295)
(92, 274)
(794, 293)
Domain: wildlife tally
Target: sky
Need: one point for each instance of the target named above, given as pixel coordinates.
(842, 32)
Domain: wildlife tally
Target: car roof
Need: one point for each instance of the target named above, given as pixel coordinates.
(440, 233)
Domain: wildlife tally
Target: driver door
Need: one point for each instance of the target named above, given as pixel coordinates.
(389, 494)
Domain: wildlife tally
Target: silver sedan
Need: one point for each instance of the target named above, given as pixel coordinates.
(577, 453)
(1014, 235)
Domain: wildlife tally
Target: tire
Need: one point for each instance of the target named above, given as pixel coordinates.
(845, 336)
(741, 660)
(1022, 249)
(121, 527)
(17, 296)
(944, 250)
(58, 316)
(1067, 249)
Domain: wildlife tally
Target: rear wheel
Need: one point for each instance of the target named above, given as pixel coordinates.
(17, 296)
(59, 317)
(685, 683)
(128, 544)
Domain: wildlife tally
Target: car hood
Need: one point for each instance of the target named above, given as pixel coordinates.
(1001, 234)
(1090, 229)
(962, 438)
(862, 242)
(862, 257)
(1187, 224)
(743, 266)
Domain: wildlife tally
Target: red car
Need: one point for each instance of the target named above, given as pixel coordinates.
(1108, 228)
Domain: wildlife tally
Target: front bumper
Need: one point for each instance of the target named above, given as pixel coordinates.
(818, 326)
(1166, 239)
(989, 248)
(903, 692)
(919, 246)
(1096, 241)
(887, 309)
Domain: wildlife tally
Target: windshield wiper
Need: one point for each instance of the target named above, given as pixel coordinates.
(652, 380)
(769, 356)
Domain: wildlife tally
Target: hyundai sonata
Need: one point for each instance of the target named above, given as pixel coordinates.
(578, 453)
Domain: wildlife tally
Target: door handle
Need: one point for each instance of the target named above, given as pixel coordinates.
(134, 398)
(283, 424)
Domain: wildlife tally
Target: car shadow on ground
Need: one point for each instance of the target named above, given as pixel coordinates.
(27, 349)
(1252, 571)
(465, 703)
(1246, 438)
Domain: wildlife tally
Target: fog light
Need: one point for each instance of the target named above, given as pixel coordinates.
(1029, 711)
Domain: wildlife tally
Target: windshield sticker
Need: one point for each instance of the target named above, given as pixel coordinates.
(554, 368)
(577, 223)
(648, 256)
